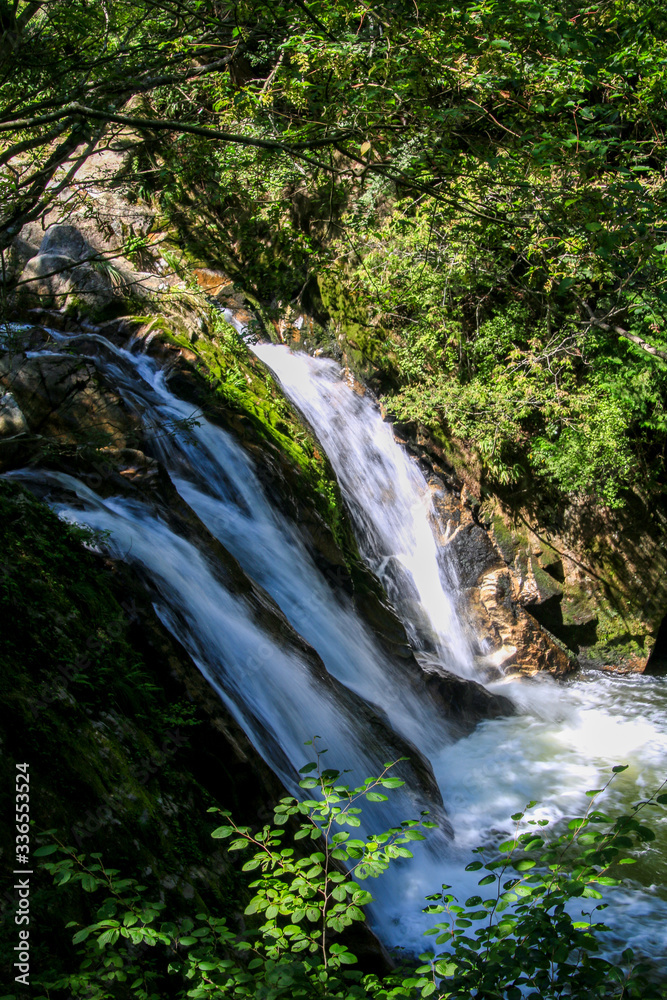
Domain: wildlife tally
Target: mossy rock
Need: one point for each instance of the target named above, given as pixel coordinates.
(122, 761)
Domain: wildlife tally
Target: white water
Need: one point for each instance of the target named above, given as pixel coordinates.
(387, 496)
(216, 478)
(562, 742)
(272, 691)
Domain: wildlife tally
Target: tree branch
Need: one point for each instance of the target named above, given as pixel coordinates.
(172, 125)
(306, 10)
(28, 13)
(633, 337)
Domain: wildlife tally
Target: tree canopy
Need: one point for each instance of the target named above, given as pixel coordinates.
(465, 164)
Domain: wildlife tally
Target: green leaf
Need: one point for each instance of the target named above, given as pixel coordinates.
(108, 937)
(222, 832)
(507, 845)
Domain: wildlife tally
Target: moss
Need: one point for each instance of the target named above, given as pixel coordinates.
(547, 586)
(367, 346)
(509, 542)
(248, 390)
(619, 637)
(115, 752)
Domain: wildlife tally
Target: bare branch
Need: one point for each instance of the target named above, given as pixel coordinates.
(633, 337)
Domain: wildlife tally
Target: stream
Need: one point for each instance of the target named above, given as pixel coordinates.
(563, 739)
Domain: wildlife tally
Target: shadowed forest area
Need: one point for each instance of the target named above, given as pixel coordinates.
(465, 206)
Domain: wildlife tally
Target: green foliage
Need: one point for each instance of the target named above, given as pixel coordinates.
(528, 940)
(506, 365)
(485, 180)
(299, 905)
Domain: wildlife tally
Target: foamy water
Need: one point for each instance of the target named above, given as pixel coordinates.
(563, 740)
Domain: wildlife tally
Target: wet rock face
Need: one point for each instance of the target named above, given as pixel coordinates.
(597, 579)
(63, 396)
(509, 639)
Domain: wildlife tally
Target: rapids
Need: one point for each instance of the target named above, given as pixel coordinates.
(563, 739)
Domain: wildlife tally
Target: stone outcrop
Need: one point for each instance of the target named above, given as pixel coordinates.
(67, 273)
(596, 579)
(512, 641)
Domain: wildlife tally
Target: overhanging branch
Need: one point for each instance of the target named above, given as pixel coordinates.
(171, 125)
(632, 337)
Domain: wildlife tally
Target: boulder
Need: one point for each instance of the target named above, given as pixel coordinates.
(69, 274)
(12, 419)
(64, 401)
(56, 280)
(66, 241)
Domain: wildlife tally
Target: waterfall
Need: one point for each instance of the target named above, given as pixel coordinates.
(388, 498)
(348, 691)
(564, 738)
(266, 682)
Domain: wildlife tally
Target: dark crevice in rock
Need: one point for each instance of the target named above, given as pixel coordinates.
(657, 661)
(549, 613)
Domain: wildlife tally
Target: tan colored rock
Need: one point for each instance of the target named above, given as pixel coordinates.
(492, 593)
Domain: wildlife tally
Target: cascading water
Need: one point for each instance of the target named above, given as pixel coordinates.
(387, 497)
(562, 741)
(273, 692)
(558, 744)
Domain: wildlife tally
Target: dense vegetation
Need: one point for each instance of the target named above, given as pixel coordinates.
(291, 942)
(470, 200)
(482, 185)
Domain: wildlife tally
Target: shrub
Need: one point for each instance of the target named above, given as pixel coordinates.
(526, 944)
